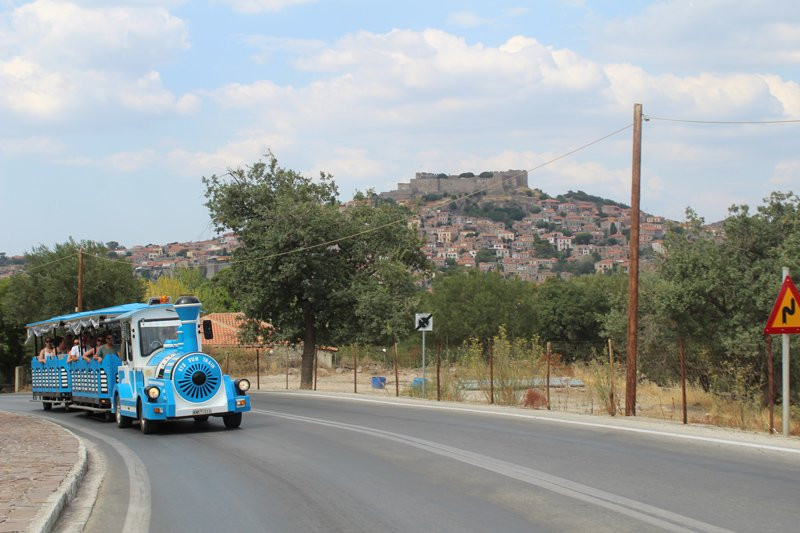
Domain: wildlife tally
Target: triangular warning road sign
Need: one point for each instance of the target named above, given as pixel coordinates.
(785, 316)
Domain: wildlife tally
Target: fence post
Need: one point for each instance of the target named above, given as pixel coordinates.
(547, 376)
(438, 369)
(396, 379)
(228, 363)
(491, 372)
(315, 369)
(258, 370)
(355, 369)
(287, 367)
(683, 380)
(612, 409)
(19, 378)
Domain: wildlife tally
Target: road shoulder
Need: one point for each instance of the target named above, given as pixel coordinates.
(41, 467)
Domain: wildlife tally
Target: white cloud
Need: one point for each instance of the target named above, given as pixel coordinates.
(434, 81)
(36, 145)
(59, 59)
(27, 88)
(248, 147)
(703, 96)
(117, 37)
(264, 6)
(716, 35)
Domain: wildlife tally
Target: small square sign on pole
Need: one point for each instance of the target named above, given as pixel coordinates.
(423, 322)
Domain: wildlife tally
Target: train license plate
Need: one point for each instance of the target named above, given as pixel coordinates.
(201, 411)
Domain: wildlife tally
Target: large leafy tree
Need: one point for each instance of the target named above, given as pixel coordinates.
(718, 288)
(306, 265)
(48, 286)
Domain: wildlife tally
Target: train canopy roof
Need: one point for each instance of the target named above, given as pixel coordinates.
(75, 322)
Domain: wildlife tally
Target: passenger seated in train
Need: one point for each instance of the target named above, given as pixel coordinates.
(107, 348)
(62, 348)
(89, 347)
(46, 352)
(75, 351)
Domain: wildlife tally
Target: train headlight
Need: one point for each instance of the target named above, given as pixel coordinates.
(152, 392)
(243, 385)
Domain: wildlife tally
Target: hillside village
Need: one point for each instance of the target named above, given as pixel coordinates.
(540, 238)
(491, 221)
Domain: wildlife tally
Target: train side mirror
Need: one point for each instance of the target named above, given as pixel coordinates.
(208, 333)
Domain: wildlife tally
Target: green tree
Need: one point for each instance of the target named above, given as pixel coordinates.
(486, 255)
(583, 238)
(717, 292)
(11, 338)
(543, 248)
(304, 261)
(474, 304)
(570, 312)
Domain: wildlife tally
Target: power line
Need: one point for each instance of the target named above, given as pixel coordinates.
(690, 121)
(37, 267)
(387, 224)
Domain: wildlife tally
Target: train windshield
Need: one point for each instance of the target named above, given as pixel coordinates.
(153, 333)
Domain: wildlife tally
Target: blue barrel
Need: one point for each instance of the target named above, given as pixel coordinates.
(417, 382)
(378, 382)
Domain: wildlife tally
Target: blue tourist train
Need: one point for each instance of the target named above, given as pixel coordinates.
(158, 372)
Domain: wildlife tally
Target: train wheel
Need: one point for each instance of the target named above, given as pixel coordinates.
(146, 425)
(122, 420)
(232, 420)
(47, 406)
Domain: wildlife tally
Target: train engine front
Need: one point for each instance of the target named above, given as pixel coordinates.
(170, 378)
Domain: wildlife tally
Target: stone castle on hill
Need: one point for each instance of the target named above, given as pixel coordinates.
(495, 182)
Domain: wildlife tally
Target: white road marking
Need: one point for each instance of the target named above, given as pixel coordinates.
(714, 440)
(641, 511)
(76, 514)
(137, 516)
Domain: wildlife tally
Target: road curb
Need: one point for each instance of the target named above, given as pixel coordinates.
(48, 515)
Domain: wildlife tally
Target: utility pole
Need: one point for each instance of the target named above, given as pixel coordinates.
(633, 268)
(80, 281)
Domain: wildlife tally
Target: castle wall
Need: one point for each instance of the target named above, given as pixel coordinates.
(428, 183)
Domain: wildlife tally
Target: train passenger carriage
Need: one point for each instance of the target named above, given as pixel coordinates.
(160, 372)
(51, 382)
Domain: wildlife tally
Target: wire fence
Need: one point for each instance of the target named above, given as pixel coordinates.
(514, 375)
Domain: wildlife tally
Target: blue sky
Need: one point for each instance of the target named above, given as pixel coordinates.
(111, 111)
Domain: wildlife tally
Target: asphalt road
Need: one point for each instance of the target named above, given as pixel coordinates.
(319, 463)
